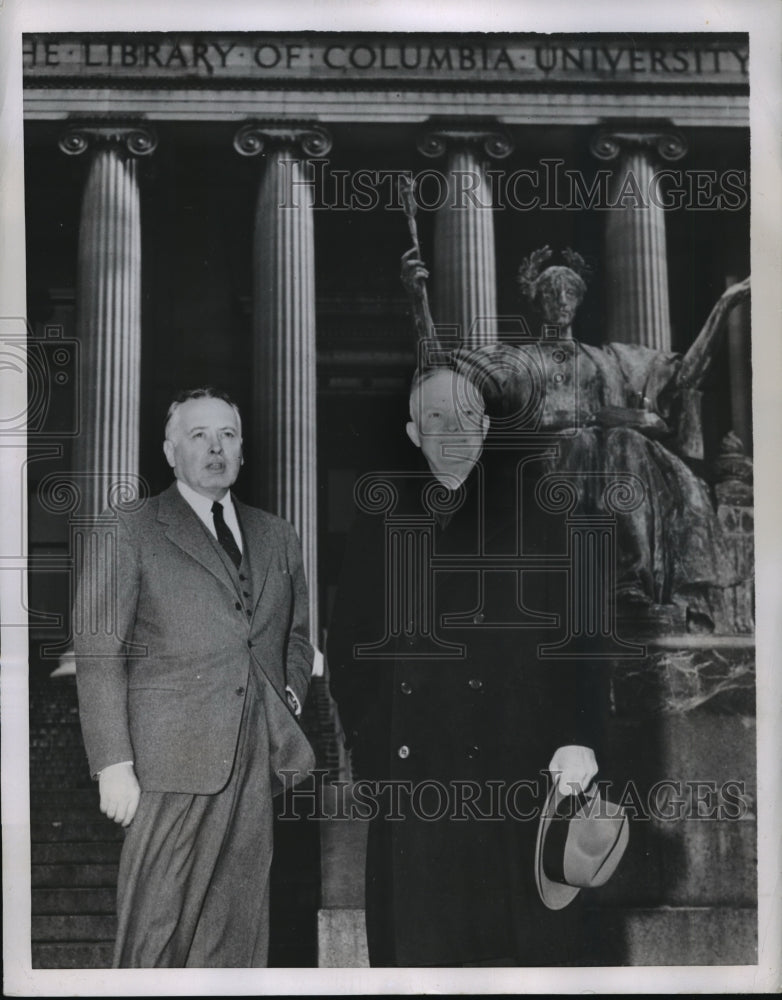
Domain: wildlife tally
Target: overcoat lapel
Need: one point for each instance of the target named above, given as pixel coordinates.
(185, 530)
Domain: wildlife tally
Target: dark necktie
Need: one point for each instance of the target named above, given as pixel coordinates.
(225, 535)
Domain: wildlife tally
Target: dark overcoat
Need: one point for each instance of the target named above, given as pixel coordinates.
(450, 882)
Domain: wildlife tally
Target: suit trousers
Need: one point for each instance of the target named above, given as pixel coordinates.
(193, 887)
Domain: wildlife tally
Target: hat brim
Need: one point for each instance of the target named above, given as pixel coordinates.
(555, 895)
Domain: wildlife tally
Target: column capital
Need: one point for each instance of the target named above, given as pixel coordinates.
(138, 140)
(608, 143)
(436, 140)
(253, 137)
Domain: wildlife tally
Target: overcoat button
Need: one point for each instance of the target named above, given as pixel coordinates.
(403, 752)
(250, 643)
(480, 617)
(405, 688)
(240, 690)
(475, 683)
(473, 752)
(238, 606)
(245, 593)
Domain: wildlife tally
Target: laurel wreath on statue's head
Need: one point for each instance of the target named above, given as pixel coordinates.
(531, 268)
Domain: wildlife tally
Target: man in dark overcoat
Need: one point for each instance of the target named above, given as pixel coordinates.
(451, 715)
(192, 661)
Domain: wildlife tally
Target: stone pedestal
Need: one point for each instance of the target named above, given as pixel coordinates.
(736, 513)
(680, 756)
(636, 278)
(464, 268)
(284, 459)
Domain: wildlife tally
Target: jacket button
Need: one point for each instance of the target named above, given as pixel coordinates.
(249, 613)
(479, 618)
(238, 606)
(405, 688)
(246, 594)
(403, 752)
(250, 643)
(242, 577)
(473, 752)
(240, 690)
(475, 683)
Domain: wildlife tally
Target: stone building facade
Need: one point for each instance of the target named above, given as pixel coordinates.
(225, 209)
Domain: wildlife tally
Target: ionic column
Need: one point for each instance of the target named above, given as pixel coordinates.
(463, 266)
(284, 459)
(636, 265)
(108, 306)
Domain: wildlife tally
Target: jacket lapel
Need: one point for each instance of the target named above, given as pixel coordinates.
(257, 539)
(184, 529)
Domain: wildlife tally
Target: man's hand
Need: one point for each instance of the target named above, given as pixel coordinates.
(119, 792)
(572, 769)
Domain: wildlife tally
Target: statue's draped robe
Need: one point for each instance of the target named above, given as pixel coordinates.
(670, 548)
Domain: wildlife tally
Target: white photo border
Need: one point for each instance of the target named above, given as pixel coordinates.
(763, 20)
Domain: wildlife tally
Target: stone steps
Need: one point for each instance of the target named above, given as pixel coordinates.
(74, 901)
(73, 955)
(83, 829)
(75, 855)
(65, 853)
(58, 928)
(74, 876)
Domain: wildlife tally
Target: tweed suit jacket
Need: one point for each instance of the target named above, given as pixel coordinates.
(164, 645)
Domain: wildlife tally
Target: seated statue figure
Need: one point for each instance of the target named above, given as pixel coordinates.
(616, 410)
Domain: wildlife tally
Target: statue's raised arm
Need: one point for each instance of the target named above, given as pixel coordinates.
(698, 358)
(414, 273)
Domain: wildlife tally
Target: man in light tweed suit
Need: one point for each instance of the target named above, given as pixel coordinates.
(188, 703)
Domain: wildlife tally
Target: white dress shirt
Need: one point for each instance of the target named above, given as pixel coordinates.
(203, 508)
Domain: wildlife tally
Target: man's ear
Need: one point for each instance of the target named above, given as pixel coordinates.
(412, 433)
(168, 450)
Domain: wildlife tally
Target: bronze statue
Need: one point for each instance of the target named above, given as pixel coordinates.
(616, 409)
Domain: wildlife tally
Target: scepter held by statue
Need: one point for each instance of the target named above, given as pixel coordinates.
(414, 273)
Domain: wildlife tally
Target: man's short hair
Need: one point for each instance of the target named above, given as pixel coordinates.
(203, 392)
(460, 365)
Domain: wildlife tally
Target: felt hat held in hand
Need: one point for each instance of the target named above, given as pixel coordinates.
(581, 840)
